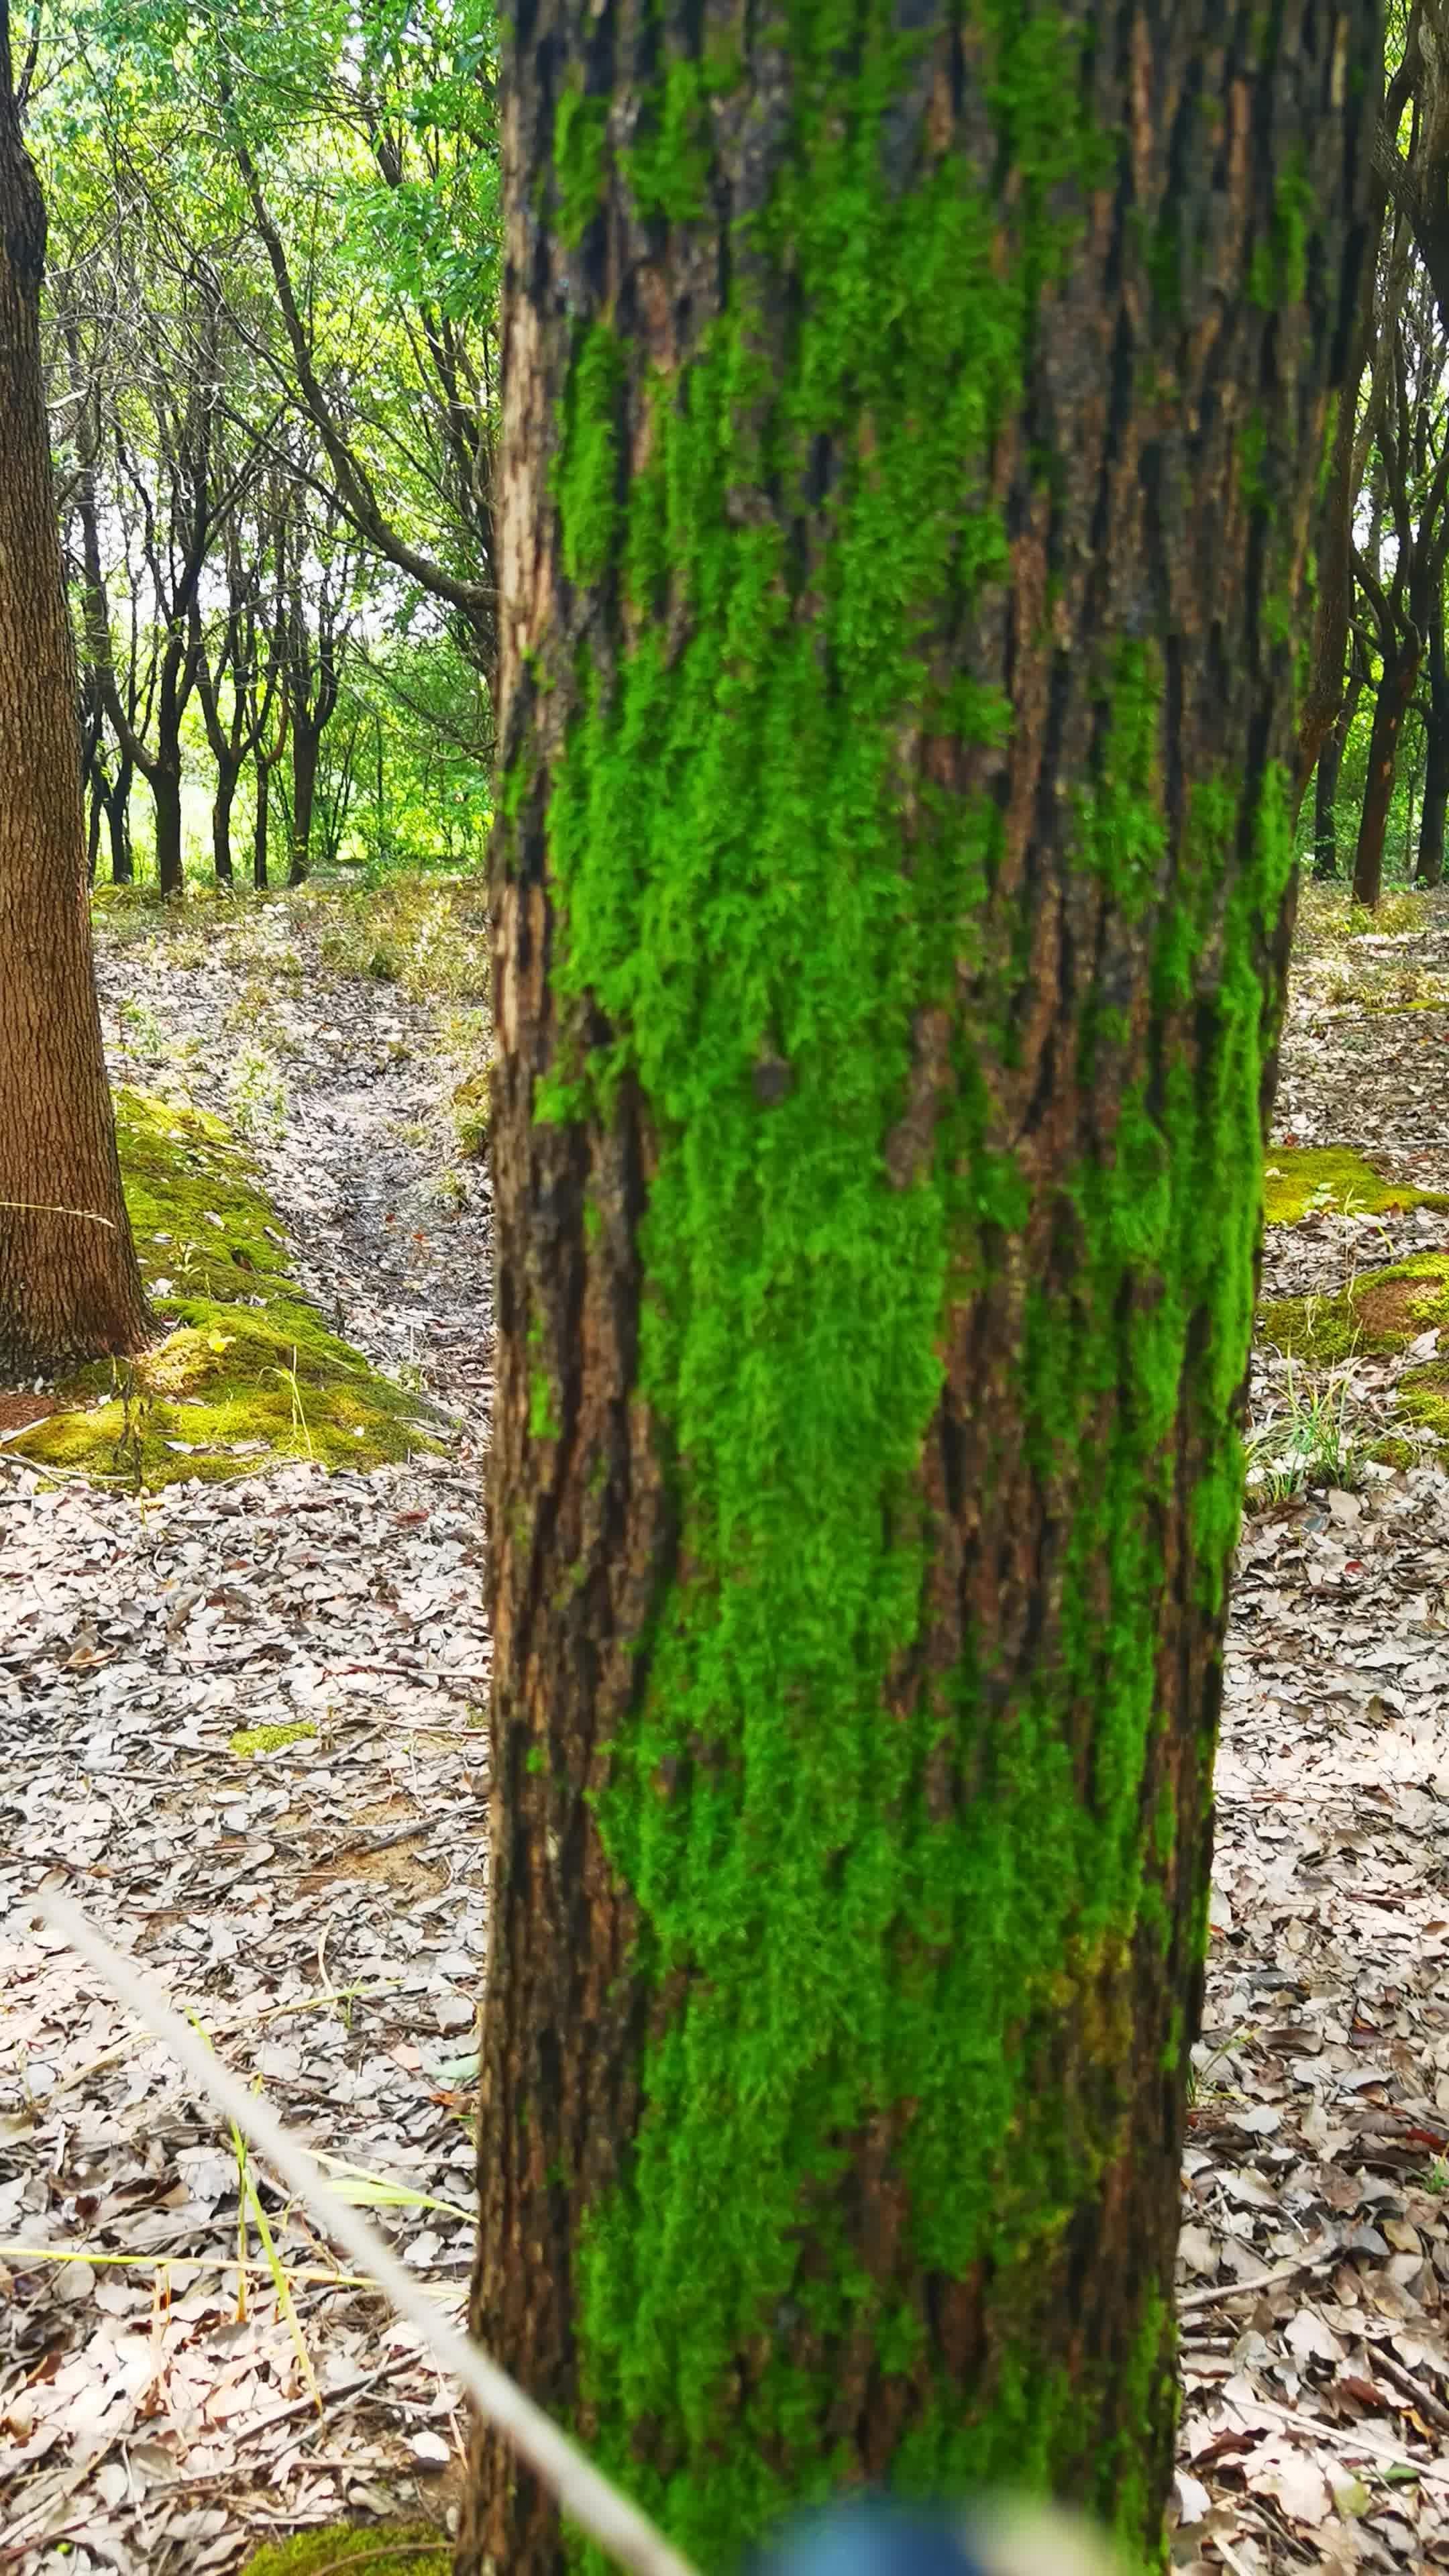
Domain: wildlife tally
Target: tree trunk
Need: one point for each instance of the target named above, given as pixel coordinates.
(1325, 787)
(227, 774)
(306, 749)
(891, 893)
(1429, 870)
(95, 807)
(164, 781)
(69, 1285)
(118, 822)
(261, 825)
(1395, 689)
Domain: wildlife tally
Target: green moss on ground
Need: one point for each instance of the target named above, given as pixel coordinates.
(411, 2549)
(1302, 1177)
(1423, 1398)
(1379, 1315)
(248, 1374)
(270, 1739)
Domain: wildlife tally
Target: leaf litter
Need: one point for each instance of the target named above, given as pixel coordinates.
(302, 1900)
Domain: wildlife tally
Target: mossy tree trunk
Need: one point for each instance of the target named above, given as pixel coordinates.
(69, 1285)
(911, 427)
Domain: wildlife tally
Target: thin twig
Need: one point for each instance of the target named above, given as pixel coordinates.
(1223, 2290)
(581, 2490)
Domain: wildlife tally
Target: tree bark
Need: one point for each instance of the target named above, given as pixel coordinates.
(118, 823)
(1325, 787)
(164, 781)
(306, 749)
(1429, 869)
(891, 893)
(69, 1285)
(227, 774)
(1396, 687)
(261, 824)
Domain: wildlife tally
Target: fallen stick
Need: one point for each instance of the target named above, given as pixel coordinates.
(581, 2490)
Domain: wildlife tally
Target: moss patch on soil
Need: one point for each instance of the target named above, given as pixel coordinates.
(1300, 1178)
(412, 2549)
(248, 1374)
(1379, 1314)
(249, 1740)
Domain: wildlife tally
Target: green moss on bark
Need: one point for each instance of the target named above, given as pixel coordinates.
(883, 1858)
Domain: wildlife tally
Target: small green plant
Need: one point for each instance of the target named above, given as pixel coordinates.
(141, 1032)
(288, 1378)
(1309, 1443)
(257, 1093)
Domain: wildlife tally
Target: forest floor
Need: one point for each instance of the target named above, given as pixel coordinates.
(318, 1899)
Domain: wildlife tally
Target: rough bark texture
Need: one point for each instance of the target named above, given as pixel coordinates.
(69, 1286)
(910, 439)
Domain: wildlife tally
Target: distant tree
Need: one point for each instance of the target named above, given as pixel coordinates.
(69, 1284)
(912, 425)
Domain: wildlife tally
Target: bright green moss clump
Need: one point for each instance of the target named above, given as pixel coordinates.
(248, 1372)
(1303, 1177)
(249, 1740)
(411, 2549)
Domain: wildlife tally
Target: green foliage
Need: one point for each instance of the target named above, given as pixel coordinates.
(247, 1373)
(1312, 1441)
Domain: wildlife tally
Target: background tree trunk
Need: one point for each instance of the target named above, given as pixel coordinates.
(118, 822)
(1429, 869)
(261, 824)
(892, 893)
(1325, 787)
(306, 748)
(69, 1285)
(227, 774)
(164, 781)
(1396, 687)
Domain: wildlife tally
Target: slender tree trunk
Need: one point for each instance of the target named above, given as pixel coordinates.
(1429, 870)
(306, 750)
(261, 824)
(95, 807)
(892, 891)
(227, 775)
(1395, 689)
(118, 820)
(165, 785)
(1325, 789)
(69, 1285)
(1325, 798)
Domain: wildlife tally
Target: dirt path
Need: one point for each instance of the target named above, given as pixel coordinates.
(327, 1926)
